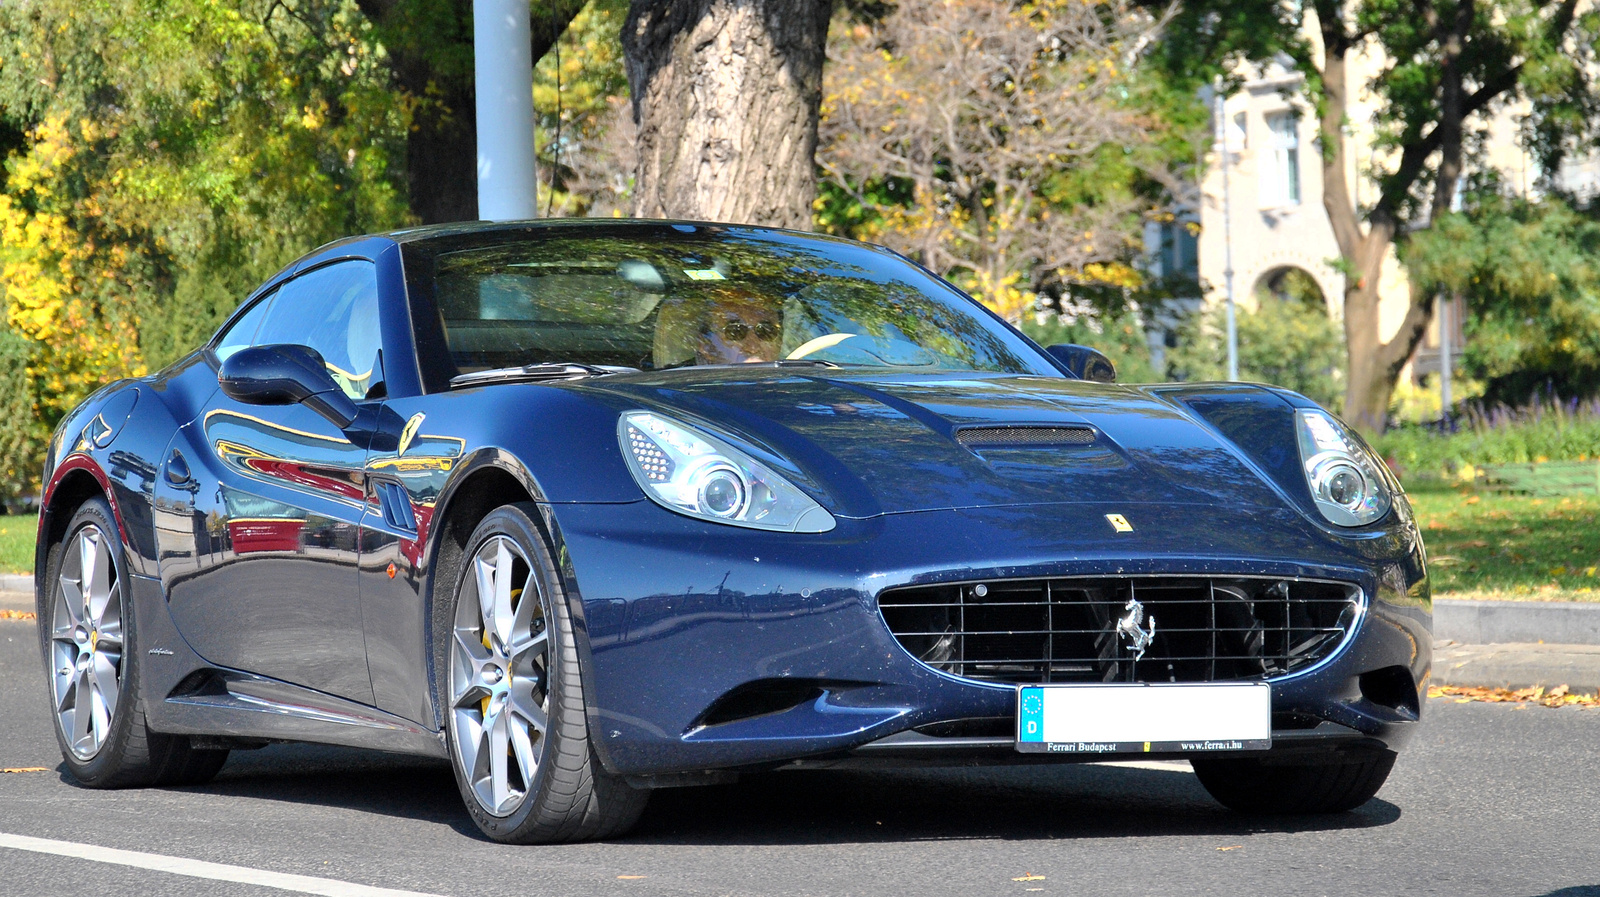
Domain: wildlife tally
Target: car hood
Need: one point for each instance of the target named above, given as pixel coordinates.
(878, 442)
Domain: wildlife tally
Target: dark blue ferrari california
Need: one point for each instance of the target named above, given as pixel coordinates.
(593, 508)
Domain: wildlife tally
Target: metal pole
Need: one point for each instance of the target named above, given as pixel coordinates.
(1227, 231)
(1444, 359)
(503, 66)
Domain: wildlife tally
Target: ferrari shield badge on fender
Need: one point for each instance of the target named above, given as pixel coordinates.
(1120, 523)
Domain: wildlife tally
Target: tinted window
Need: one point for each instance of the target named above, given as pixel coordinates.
(708, 297)
(333, 309)
(243, 331)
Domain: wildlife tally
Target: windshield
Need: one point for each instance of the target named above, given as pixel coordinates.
(705, 297)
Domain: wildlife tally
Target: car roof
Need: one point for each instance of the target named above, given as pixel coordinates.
(493, 229)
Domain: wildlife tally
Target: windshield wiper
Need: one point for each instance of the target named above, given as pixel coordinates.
(551, 370)
(805, 363)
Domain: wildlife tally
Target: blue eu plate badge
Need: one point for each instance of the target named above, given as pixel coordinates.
(1030, 719)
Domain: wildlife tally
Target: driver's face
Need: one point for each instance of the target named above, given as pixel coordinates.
(741, 333)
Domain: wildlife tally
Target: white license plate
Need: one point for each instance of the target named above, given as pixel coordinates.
(1144, 718)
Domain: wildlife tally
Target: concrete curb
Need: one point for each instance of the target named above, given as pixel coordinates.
(1513, 622)
(16, 591)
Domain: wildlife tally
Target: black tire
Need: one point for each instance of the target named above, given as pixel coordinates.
(570, 797)
(1272, 787)
(130, 755)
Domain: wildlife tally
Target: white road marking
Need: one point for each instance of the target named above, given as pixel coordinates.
(300, 884)
(1157, 765)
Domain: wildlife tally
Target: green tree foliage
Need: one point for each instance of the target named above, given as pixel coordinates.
(176, 152)
(1293, 344)
(1530, 274)
(583, 129)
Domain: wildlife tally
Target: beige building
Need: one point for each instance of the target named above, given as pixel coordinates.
(1273, 217)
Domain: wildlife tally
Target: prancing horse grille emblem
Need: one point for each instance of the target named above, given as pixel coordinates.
(1129, 627)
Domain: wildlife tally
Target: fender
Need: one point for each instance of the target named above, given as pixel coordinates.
(503, 461)
(74, 462)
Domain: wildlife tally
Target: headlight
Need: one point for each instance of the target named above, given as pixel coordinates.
(1343, 476)
(695, 473)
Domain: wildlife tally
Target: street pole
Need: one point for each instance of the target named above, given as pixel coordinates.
(1444, 360)
(502, 63)
(1227, 230)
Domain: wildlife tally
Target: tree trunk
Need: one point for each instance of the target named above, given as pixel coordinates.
(1372, 366)
(442, 153)
(430, 53)
(726, 96)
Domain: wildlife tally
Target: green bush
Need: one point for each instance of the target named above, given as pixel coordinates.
(22, 436)
(1293, 344)
(1550, 432)
(1121, 338)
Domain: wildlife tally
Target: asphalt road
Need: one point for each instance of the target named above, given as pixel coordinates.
(1491, 800)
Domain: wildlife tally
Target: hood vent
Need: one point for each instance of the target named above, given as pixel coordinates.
(1004, 437)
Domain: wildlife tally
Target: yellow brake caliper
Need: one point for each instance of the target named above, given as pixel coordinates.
(483, 704)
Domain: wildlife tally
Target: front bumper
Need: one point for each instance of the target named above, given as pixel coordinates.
(707, 647)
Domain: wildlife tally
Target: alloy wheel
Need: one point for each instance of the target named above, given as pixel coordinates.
(499, 676)
(86, 641)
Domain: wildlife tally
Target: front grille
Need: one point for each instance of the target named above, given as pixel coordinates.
(999, 437)
(1084, 630)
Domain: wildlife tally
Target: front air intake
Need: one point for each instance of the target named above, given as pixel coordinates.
(1001, 437)
(1123, 629)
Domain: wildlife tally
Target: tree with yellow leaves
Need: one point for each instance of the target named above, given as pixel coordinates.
(994, 142)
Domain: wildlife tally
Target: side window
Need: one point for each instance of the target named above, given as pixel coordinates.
(243, 331)
(333, 309)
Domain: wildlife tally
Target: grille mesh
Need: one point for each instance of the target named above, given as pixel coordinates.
(985, 437)
(1066, 630)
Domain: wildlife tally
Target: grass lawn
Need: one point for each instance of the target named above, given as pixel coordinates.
(1511, 547)
(16, 542)
(1480, 545)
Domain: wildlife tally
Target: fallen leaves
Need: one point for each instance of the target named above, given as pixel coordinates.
(18, 615)
(630, 877)
(1560, 696)
(1231, 847)
(1028, 876)
(13, 769)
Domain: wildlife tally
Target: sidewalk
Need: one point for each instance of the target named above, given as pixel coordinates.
(1517, 644)
(1518, 665)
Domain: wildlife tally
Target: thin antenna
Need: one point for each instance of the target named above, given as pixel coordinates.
(555, 146)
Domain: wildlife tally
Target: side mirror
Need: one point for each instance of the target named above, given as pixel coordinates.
(286, 375)
(1084, 363)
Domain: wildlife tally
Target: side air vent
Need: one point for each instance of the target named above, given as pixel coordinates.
(1001, 437)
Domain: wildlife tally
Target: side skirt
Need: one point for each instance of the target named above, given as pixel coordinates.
(238, 705)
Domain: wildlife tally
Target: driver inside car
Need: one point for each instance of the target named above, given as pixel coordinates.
(722, 326)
